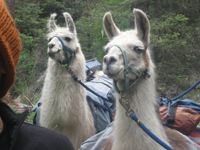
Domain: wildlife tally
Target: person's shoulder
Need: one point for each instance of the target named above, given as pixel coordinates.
(40, 138)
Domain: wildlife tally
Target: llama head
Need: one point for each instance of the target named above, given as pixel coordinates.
(135, 42)
(68, 36)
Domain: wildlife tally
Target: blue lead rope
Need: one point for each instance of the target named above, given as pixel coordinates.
(170, 101)
(147, 131)
(188, 90)
(103, 98)
(76, 78)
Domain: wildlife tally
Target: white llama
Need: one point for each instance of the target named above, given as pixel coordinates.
(127, 135)
(64, 105)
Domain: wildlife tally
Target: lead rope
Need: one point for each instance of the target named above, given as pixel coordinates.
(129, 112)
(69, 69)
(165, 117)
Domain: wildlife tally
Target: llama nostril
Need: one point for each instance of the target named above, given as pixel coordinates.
(112, 59)
(51, 46)
(104, 59)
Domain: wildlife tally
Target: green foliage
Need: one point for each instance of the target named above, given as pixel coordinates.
(13, 108)
(32, 30)
(114, 1)
(175, 39)
(31, 19)
(30, 117)
(90, 27)
(54, 6)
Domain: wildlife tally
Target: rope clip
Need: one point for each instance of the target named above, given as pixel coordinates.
(129, 112)
(69, 69)
(124, 103)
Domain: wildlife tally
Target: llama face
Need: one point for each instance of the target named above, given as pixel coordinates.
(67, 35)
(135, 42)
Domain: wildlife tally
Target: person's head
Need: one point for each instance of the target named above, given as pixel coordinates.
(10, 48)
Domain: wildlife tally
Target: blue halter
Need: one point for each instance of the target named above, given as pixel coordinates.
(65, 48)
(128, 68)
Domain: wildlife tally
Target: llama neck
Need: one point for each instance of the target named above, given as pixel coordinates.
(142, 99)
(141, 96)
(60, 86)
(58, 72)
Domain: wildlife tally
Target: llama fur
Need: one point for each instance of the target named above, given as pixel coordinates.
(127, 135)
(64, 105)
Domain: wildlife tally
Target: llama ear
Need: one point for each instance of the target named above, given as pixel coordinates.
(69, 22)
(142, 26)
(109, 26)
(51, 24)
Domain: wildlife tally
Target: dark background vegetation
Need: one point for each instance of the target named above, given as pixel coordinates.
(175, 38)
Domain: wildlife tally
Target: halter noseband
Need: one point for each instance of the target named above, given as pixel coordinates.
(128, 68)
(65, 48)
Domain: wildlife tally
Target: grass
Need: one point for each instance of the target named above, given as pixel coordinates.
(30, 117)
(34, 100)
(193, 95)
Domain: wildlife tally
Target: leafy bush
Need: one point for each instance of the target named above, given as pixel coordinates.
(175, 39)
(32, 30)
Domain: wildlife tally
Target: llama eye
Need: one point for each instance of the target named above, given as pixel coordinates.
(67, 39)
(50, 39)
(107, 50)
(138, 50)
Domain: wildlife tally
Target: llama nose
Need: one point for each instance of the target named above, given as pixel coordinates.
(109, 59)
(51, 46)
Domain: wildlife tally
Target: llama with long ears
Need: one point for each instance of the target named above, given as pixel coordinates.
(64, 106)
(135, 87)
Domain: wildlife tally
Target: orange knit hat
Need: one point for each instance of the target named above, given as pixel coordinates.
(10, 48)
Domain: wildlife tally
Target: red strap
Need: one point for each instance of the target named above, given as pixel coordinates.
(193, 134)
(164, 118)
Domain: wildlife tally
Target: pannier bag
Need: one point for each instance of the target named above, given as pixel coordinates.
(183, 115)
(103, 86)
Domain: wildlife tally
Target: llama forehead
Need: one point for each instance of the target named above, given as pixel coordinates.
(128, 40)
(61, 32)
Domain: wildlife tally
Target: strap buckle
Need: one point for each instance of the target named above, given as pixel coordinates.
(129, 112)
(69, 69)
(124, 102)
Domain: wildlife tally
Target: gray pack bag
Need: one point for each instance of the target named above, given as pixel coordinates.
(104, 87)
(97, 141)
